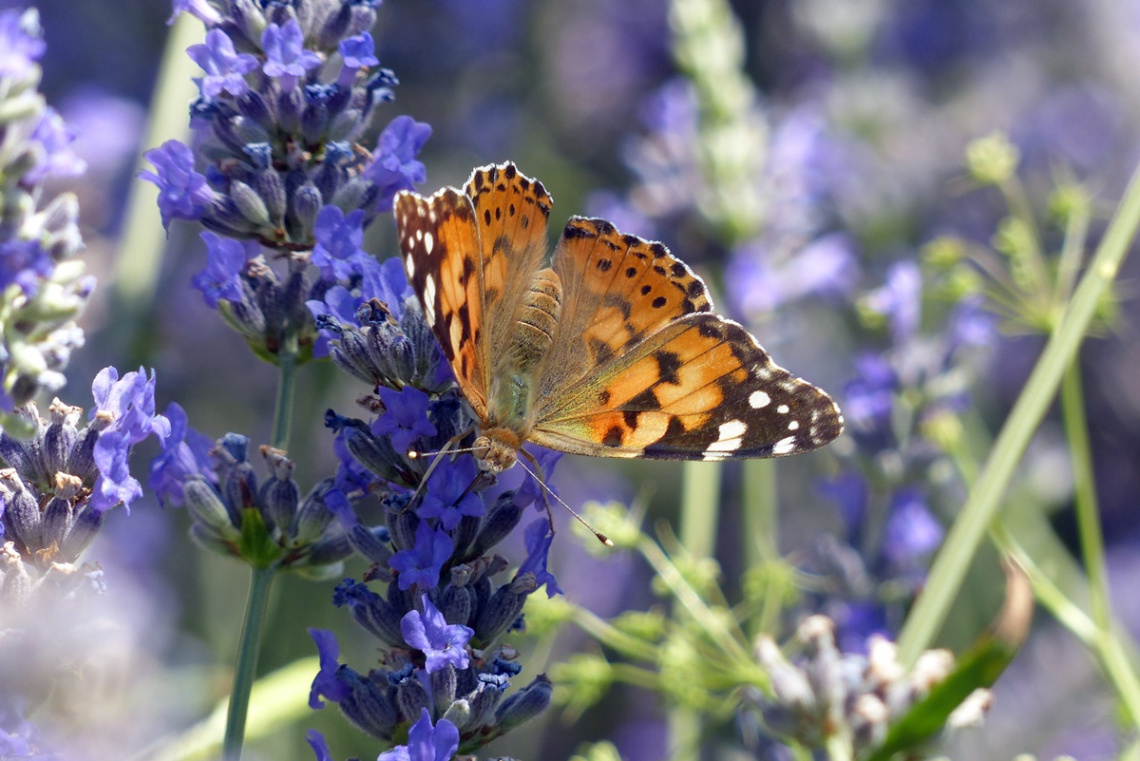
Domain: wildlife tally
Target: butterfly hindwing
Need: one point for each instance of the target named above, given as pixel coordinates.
(699, 388)
(439, 241)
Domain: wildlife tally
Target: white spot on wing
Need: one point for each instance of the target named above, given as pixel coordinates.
(429, 299)
(794, 425)
(783, 409)
(429, 243)
(728, 439)
(785, 445)
(410, 266)
(759, 400)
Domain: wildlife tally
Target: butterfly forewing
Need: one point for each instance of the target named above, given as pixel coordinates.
(511, 212)
(617, 289)
(439, 241)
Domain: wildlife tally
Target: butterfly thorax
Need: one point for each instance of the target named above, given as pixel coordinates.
(510, 402)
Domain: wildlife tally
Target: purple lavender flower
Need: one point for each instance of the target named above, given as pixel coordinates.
(338, 250)
(185, 453)
(358, 52)
(127, 406)
(226, 261)
(326, 683)
(320, 747)
(447, 496)
(425, 742)
(405, 419)
(182, 192)
(531, 491)
(285, 55)
(539, 537)
(394, 166)
(225, 69)
(440, 642)
(422, 564)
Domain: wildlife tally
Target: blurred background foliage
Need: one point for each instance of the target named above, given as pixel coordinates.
(745, 142)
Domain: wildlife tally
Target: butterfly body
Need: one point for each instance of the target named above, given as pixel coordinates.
(613, 350)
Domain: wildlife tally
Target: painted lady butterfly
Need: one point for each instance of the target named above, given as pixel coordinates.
(613, 351)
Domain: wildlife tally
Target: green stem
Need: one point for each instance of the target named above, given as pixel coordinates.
(700, 507)
(286, 386)
(949, 568)
(761, 519)
(246, 667)
(1088, 518)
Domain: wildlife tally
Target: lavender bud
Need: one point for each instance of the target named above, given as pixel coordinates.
(272, 189)
(250, 203)
(208, 511)
(525, 705)
(369, 707)
(412, 697)
(443, 687)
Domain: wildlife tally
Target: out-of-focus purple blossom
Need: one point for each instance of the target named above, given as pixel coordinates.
(972, 325)
(849, 491)
(869, 398)
(286, 57)
(759, 284)
(54, 155)
(25, 263)
(21, 43)
(899, 300)
(405, 418)
(107, 128)
(226, 261)
(199, 9)
(425, 742)
(185, 453)
(441, 643)
(225, 69)
(911, 532)
(447, 497)
(394, 166)
(182, 192)
(539, 537)
(421, 565)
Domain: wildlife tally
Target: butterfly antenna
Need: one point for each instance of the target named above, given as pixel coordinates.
(546, 490)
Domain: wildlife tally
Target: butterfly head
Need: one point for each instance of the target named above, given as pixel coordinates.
(496, 450)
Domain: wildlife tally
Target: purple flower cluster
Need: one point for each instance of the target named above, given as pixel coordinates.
(266, 524)
(895, 406)
(42, 290)
(277, 161)
(60, 483)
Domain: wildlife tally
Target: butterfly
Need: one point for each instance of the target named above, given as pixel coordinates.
(612, 351)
